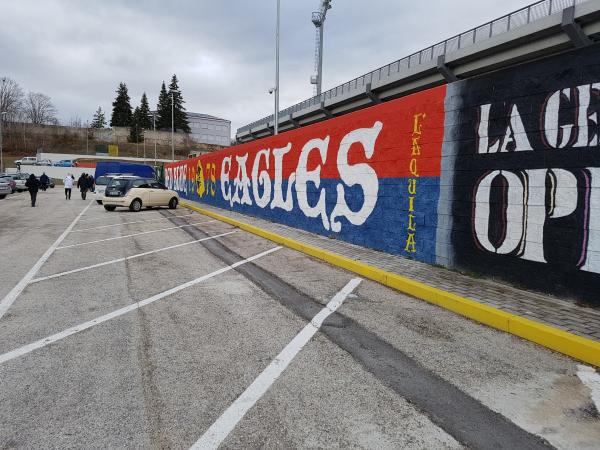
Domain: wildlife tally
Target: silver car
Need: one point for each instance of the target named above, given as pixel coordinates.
(20, 179)
(5, 189)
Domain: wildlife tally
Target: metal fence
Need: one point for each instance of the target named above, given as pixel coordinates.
(519, 18)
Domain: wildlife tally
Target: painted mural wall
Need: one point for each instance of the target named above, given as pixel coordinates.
(498, 174)
(370, 178)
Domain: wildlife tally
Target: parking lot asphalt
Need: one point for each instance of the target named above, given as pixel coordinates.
(168, 329)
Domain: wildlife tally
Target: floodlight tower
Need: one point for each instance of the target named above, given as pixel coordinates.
(318, 19)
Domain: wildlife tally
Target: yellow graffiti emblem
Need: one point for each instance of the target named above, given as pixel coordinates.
(200, 180)
(211, 170)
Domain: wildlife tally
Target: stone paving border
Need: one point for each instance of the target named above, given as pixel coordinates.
(548, 321)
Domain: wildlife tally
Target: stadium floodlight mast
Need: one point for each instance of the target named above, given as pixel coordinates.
(318, 20)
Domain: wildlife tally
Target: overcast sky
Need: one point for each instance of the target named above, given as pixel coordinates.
(222, 51)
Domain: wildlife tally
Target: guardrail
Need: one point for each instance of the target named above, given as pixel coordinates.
(516, 19)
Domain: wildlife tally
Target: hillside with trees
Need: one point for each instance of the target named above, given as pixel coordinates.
(31, 124)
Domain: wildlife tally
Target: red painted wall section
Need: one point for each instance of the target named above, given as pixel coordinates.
(393, 150)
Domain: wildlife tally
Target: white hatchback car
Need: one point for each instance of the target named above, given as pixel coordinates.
(136, 192)
(101, 182)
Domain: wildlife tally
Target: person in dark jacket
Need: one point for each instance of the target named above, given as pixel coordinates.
(44, 181)
(33, 185)
(90, 183)
(82, 184)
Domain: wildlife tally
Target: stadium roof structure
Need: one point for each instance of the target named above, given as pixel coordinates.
(541, 29)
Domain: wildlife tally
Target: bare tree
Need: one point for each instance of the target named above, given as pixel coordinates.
(76, 122)
(39, 109)
(11, 98)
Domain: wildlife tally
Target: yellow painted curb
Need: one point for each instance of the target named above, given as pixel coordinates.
(577, 347)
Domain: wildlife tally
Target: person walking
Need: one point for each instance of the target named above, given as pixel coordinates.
(90, 183)
(68, 182)
(33, 185)
(82, 184)
(44, 181)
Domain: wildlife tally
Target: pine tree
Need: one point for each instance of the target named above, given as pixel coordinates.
(180, 118)
(121, 114)
(163, 110)
(99, 121)
(136, 132)
(145, 119)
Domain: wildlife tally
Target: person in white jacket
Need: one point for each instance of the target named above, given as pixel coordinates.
(68, 181)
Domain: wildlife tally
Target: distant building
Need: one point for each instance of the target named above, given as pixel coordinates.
(207, 129)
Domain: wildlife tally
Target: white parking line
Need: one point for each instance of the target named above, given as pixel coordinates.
(137, 221)
(591, 379)
(8, 300)
(104, 215)
(138, 255)
(190, 213)
(134, 234)
(119, 312)
(218, 431)
(121, 223)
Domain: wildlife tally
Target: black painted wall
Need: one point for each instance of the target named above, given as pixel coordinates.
(537, 220)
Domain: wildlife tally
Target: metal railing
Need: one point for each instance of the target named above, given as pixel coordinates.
(516, 19)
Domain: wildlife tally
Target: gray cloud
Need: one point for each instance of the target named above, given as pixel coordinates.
(222, 51)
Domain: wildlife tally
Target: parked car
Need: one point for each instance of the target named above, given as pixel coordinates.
(64, 163)
(5, 188)
(136, 192)
(26, 161)
(43, 162)
(19, 179)
(101, 183)
(8, 179)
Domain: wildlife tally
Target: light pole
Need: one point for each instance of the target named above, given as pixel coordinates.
(154, 134)
(172, 129)
(2, 115)
(276, 115)
(87, 135)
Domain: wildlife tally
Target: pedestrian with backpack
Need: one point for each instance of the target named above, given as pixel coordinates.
(82, 184)
(33, 185)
